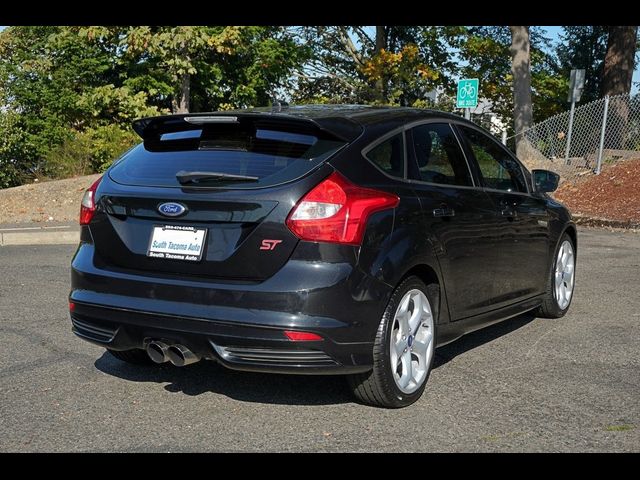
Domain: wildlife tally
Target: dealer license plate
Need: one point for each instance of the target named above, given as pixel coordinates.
(177, 242)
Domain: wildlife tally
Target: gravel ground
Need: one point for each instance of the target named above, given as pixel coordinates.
(527, 384)
(55, 201)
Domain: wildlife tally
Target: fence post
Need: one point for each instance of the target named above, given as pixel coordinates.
(568, 148)
(602, 132)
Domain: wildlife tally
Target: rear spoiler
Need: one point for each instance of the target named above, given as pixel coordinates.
(151, 129)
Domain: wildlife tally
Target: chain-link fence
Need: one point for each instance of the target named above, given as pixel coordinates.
(602, 132)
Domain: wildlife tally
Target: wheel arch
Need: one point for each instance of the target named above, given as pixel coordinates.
(573, 234)
(429, 275)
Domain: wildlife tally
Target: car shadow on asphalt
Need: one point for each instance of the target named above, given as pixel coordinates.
(209, 377)
(480, 337)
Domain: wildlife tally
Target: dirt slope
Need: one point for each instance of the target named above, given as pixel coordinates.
(612, 195)
(55, 201)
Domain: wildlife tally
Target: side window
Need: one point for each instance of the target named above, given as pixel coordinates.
(389, 156)
(498, 170)
(438, 155)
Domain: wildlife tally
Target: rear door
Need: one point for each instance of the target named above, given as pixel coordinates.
(228, 184)
(460, 216)
(522, 260)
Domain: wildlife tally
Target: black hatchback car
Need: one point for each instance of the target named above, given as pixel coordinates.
(316, 240)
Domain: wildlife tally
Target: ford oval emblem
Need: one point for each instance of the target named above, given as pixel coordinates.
(172, 209)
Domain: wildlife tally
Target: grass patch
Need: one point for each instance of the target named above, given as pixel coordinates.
(619, 428)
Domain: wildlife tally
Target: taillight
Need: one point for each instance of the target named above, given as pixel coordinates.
(337, 211)
(88, 204)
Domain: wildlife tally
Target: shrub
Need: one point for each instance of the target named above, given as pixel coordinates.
(15, 149)
(108, 143)
(91, 151)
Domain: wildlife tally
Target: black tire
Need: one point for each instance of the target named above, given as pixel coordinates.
(135, 357)
(550, 307)
(377, 387)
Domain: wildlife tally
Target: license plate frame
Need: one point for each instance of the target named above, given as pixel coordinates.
(178, 235)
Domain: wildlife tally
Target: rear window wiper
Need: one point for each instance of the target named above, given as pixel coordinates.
(186, 178)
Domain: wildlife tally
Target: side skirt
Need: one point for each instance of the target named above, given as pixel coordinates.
(451, 331)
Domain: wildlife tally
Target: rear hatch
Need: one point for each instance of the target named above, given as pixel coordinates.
(208, 196)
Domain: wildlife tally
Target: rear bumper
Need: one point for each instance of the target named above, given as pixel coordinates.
(240, 325)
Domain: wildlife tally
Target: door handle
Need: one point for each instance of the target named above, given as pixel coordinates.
(444, 211)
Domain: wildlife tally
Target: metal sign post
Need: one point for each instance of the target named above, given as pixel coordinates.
(604, 129)
(467, 97)
(576, 84)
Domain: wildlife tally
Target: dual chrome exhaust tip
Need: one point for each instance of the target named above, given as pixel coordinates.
(179, 355)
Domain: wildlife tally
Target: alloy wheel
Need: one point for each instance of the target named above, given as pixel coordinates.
(412, 341)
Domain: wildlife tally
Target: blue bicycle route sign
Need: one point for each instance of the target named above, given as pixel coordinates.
(468, 93)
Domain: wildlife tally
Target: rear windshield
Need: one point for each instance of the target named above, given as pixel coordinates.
(270, 155)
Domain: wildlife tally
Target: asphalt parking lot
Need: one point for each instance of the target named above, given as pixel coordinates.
(524, 385)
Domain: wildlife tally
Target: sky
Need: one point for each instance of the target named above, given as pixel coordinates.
(554, 34)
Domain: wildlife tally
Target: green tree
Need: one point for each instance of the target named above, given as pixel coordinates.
(392, 65)
(55, 83)
(583, 47)
(71, 92)
(209, 67)
(485, 51)
(262, 66)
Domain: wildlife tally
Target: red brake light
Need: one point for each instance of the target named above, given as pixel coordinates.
(302, 336)
(72, 306)
(337, 211)
(88, 204)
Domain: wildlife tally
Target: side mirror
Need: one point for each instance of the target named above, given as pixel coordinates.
(544, 180)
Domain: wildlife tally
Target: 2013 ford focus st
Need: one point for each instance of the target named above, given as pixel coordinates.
(316, 240)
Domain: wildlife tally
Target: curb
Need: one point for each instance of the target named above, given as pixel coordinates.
(586, 221)
(66, 235)
(70, 234)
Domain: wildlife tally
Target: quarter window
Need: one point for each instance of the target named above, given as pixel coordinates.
(497, 168)
(389, 156)
(438, 157)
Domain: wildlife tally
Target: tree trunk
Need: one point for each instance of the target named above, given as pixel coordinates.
(180, 102)
(381, 43)
(618, 62)
(616, 80)
(521, 71)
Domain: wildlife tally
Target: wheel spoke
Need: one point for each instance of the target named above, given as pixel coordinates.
(558, 279)
(407, 370)
(403, 316)
(399, 347)
(403, 321)
(416, 315)
(394, 358)
(560, 256)
(420, 346)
